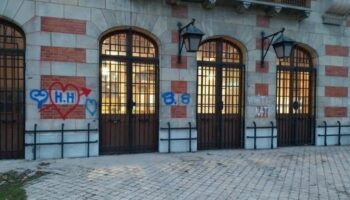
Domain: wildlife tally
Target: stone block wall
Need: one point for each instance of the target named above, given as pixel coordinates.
(62, 45)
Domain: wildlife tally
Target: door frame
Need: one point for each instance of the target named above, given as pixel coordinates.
(129, 60)
(312, 99)
(242, 77)
(22, 52)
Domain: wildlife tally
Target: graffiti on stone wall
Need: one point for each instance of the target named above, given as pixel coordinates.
(91, 106)
(40, 96)
(170, 98)
(261, 111)
(258, 100)
(63, 98)
(261, 104)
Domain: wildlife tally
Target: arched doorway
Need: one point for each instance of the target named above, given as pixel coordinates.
(128, 93)
(220, 94)
(12, 57)
(295, 110)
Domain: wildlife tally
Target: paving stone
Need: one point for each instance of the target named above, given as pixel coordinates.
(284, 173)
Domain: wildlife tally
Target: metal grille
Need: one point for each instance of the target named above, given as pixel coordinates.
(115, 45)
(129, 88)
(142, 47)
(219, 95)
(231, 90)
(11, 91)
(295, 99)
(113, 77)
(206, 90)
(144, 86)
(301, 3)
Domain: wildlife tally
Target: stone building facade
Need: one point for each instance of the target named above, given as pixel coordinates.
(110, 68)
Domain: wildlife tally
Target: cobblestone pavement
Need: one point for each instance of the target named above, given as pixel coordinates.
(285, 173)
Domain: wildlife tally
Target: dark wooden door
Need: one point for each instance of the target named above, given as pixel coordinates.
(11, 91)
(295, 99)
(129, 91)
(219, 95)
(144, 117)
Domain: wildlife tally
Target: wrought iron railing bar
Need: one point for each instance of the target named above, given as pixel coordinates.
(62, 140)
(260, 127)
(267, 136)
(169, 139)
(329, 135)
(62, 132)
(59, 143)
(339, 130)
(88, 144)
(35, 127)
(325, 133)
(301, 3)
(333, 126)
(296, 4)
(338, 134)
(190, 133)
(66, 130)
(272, 136)
(254, 135)
(178, 128)
(165, 139)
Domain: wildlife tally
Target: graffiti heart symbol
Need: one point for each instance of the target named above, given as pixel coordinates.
(62, 111)
(40, 96)
(91, 106)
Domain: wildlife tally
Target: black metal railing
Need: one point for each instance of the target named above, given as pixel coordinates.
(189, 138)
(61, 131)
(339, 134)
(300, 3)
(255, 137)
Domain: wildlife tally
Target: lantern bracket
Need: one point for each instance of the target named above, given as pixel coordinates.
(181, 42)
(269, 43)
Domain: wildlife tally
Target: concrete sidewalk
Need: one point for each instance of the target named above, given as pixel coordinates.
(284, 173)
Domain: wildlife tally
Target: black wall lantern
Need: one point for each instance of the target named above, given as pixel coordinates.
(282, 45)
(189, 35)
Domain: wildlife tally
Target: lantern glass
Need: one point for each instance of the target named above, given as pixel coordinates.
(192, 42)
(192, 38)
(283, 46)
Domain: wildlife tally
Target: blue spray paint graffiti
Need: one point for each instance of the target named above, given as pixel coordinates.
(50, 98)
(91, 106)
(185, 98)
(169, 98)
(64, 97)
(40, 96)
